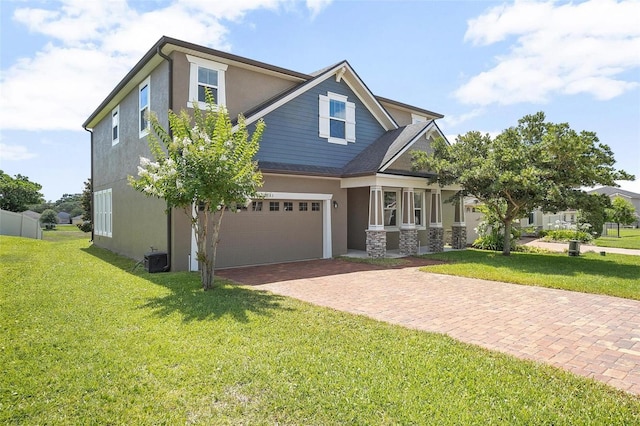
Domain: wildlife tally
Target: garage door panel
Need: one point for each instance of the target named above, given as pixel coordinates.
(251, 238)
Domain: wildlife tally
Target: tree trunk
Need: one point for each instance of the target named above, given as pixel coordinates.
(506, 250)
(618, 229)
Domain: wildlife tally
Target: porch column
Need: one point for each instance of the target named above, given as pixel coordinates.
(408, 231)
(459, 228)
(376, 235)
(436, 232)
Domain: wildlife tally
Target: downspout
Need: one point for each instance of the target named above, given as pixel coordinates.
(93, 221)
(170, 107)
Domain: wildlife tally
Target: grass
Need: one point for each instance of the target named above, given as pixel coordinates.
(613, 274)
(84, 340)
(629, 239)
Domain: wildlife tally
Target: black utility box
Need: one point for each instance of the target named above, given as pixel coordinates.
(155, 261)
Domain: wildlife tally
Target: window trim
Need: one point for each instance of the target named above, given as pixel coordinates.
(422, 208)
(145, 83)
(115, 125)
(196, 62)
(396, 209)
(324, 118)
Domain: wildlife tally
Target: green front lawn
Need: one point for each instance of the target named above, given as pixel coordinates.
(613, 274)
(629, 238)
(86, 340)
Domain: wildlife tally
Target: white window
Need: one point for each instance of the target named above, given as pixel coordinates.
(337, 118)
(144, 101)
(205, 74)
(102, 212)
(390, 208)
(115, 125)
(418, 208)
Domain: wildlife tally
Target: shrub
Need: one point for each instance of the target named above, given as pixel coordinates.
(49, 218)
(568, 234)
(85, 226)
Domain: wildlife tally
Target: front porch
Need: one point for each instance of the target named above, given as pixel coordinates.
(403, 221)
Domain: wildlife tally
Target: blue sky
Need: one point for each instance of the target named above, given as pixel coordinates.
(483, 64)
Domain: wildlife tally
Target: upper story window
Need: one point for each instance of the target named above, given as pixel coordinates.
(337, 122)
(205, 74)
(115, 125)
(144, 101)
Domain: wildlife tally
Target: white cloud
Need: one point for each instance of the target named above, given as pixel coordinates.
(559, 49)
(15, 152)
(454, 120)
(92, 46)
(317, 6)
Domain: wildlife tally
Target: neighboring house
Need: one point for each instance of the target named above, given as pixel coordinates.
(335, 158)
(613, 192)
(32, 214)
(548, 221)
(64, 218)
(77, 220)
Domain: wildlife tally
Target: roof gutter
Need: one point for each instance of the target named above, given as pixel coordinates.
(169, 210)
(92, 206)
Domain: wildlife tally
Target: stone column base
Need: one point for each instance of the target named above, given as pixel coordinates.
(408, 242)
(458, 237)
(376, 243)
(436, 240)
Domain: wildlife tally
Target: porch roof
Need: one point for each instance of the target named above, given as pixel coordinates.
(380, 153)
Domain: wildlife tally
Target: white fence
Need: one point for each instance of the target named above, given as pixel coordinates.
(19, 225)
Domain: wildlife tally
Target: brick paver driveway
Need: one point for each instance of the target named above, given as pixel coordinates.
(591, 335)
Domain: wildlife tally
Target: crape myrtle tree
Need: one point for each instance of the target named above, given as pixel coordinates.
(536, 164)
(205, 167)
(621, 212)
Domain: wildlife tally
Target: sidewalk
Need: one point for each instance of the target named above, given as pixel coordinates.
(561, 247)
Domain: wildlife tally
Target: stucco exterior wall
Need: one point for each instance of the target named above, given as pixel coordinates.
(138, 222)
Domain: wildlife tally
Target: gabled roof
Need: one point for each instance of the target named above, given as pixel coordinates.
(166, 45)
(342, 72)
(383, 152)
(610, 190)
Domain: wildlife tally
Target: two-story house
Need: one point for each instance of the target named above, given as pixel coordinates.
(335, 158)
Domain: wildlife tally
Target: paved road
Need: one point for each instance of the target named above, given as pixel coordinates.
(591, 335)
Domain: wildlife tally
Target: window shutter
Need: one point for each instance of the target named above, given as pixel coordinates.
(323, 122)
(351, 122)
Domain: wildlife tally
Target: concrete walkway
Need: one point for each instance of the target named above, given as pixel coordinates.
(560, 247)
(590, 335)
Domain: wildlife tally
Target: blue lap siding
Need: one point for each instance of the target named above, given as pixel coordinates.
(291, 135)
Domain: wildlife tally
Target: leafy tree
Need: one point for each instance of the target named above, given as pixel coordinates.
(69, 203)
(86, 203)
(17, 193)
(536, 164)
(49, 218)
(593, 211)
(621, 212)
(208, 165)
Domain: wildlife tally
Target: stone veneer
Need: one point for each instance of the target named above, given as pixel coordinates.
(376, 243)
(408, 242)
(458, 236)
(436, 240)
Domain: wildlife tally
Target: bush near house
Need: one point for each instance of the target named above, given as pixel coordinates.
(565, 235)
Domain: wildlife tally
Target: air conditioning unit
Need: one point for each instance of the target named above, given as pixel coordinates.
(155, 261)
